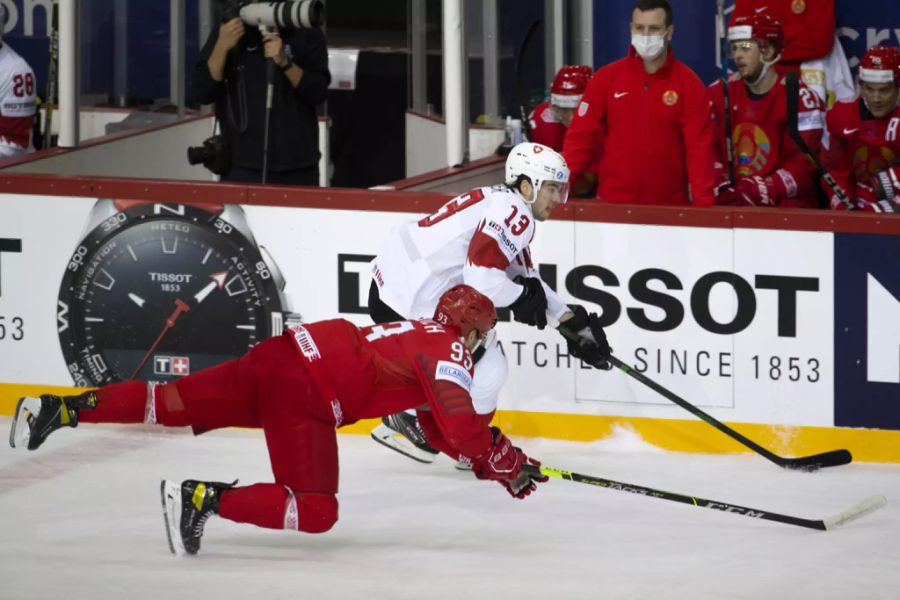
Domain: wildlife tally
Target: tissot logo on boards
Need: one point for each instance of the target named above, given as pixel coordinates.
(650, 288)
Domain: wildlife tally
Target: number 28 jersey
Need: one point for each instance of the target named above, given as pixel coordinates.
(17, 103)
(479, 238)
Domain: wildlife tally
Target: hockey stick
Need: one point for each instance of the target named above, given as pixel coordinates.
(792, 87)
(520, 86)
(726, 96)
(861, 509)
(51, 73)
(832, 458)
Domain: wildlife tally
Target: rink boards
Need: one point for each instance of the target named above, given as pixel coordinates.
(787, 323)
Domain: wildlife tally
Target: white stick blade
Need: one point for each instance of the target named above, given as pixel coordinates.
(869, 505)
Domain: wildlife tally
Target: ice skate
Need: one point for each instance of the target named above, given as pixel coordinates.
(37, 418)
(186, 508)
(402, 433)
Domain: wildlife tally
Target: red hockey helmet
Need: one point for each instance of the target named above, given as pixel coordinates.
(569, 84)
(465, 308)
(881, 64)
(761, 28)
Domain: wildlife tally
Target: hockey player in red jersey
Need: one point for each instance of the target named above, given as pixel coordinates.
(769, 169)
(550, 119)
(862, 147)
(300, 387)
(480, 238)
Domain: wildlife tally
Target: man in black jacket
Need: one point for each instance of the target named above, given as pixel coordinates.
(231, 71)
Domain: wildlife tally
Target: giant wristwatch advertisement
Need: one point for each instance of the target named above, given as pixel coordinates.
(157, 291)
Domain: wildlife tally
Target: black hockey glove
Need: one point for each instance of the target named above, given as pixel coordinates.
(531, 306)
(590, 345)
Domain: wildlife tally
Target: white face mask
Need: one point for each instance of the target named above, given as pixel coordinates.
(648, 46)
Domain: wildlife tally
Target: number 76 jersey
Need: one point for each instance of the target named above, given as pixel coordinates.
(479, 238)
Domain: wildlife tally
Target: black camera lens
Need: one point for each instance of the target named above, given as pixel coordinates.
(197, 154)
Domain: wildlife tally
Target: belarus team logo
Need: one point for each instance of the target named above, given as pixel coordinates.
(866, 163)
(752, 147)
(582, 108)
(670, 98)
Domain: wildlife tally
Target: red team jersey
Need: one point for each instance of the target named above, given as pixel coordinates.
(653, 130)
(762, 145)
(395, 367)
(545, 128)
(857, 146)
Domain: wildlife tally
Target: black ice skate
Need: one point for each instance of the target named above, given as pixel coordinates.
(186, 508)
(36, 418)
(402, 433)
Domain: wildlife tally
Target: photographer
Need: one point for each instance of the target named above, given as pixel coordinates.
(231, 71)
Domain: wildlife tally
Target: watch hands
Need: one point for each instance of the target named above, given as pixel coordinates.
(180, 307)
(136, 299)
(218, 281)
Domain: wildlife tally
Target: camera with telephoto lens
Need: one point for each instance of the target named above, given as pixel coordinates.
(290, 14)
(213, 155)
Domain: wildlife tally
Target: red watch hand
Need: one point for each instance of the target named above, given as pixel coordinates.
(180, 307)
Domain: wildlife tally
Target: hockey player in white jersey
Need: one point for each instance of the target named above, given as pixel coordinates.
(480, 238)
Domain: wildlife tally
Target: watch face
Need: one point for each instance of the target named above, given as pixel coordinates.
(157, 292)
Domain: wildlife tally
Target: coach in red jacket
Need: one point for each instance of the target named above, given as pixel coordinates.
(650, 115)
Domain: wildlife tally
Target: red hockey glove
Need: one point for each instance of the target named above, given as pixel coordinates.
(761, 191)
(524, 484)
(887, 188)
(837, 204)
(724, 193)
(503, 463)
(869, 198)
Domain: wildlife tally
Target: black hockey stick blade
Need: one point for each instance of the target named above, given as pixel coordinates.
(832, 458)
(861, 509)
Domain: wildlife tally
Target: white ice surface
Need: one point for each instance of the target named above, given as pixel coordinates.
(81, 518)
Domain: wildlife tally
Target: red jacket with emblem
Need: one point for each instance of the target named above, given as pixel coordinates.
(762, 145)
(369, 372)
(654, 131)
(808, 27)
(856, 146)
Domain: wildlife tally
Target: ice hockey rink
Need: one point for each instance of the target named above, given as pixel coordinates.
(81, 518)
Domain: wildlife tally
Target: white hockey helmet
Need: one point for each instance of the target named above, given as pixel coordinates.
(541, 164)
